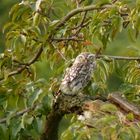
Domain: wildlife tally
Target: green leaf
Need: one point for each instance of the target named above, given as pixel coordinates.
(109, 108)
(7, 26)
(36, 19)
(125, 136)
(34, 96)
(3, 95)
(103, 2)
(4, 132)
(10, 116)
(130, 116)
(15, 127)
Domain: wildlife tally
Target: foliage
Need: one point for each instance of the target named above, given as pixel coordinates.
(106, 123)
(4, 10)
(42, 38)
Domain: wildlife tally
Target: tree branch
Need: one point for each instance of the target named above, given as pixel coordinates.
(78, 28)
(119, 57)
(124, 104)
(66, 39)
(17, 114)
(52, 125)
(37, 55)
(82, 26)
(79, 10)
(25, 65)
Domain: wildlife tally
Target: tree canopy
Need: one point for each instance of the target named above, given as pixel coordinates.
(42, 37)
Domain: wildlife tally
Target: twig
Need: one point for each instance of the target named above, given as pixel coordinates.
(66, 39)
(77, 3)
(19, 70)
(113, 1)
(61, 54)
(84, 18)
(76, 27)
(119, 57)
(36, 56)
(81, 24)
(20, 113)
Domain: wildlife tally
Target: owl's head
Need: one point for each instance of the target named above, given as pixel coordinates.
(85, 57)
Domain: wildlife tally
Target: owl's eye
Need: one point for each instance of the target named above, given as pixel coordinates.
(81, 58)
(91, 57)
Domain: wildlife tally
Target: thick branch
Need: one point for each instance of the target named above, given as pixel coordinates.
(64, 104)
(52, 124)
(124, 104)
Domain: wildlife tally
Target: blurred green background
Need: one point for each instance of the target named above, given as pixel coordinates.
(5, 6)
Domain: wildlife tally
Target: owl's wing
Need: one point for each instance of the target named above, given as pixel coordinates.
(69, 66)
(73, 72)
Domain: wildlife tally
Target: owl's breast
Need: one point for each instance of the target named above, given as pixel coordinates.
(77, 77)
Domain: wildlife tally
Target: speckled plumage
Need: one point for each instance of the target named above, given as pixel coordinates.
(79, 74)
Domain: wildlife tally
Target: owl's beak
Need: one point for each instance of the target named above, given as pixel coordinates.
(85, 60)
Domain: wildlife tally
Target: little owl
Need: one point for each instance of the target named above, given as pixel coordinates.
(79, 74)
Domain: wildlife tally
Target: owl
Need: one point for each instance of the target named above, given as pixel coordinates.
(79, 74)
